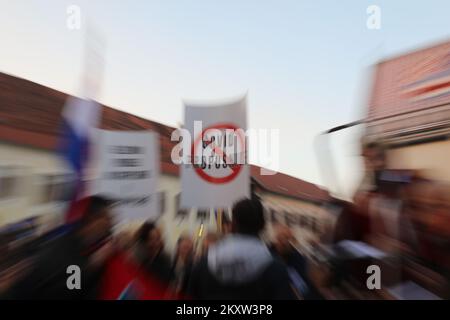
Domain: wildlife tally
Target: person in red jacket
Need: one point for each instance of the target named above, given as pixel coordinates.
(123, 279)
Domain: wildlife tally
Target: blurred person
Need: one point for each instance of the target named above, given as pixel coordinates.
(380, 199)
(226, 224)
(85, 246)
(149, 252)
(428, 209)
(11, 275)
(240, 266)
(283, 247)
(375, 220)
(353, 222)
(124, 278)
(374, 216)
(14, 263)
(374, 156)
(386, 210)
(210, 239)
(182, 265)
(124, 240)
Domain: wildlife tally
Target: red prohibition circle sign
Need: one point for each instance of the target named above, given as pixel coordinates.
(235, 169)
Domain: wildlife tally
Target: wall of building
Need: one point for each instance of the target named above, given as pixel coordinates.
(24, 173)
(306, 219)
(432, 158)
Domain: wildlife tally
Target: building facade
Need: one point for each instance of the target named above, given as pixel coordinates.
(409, 110)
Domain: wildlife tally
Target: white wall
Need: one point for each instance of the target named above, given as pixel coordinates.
(432, 158)
(25, 165)
(297, 207)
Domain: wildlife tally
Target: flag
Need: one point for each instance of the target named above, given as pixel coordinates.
(79, 117)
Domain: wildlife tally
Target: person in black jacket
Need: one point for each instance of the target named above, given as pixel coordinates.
(149, 252)
(83, 246)
(296, 264)
(240, 266)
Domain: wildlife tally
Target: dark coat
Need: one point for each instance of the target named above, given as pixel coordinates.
(295, 260)
(47, 278)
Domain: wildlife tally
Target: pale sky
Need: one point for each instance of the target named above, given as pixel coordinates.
(304, 64)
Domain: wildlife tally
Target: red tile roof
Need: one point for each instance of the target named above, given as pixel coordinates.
(289, 186)
(30, 114)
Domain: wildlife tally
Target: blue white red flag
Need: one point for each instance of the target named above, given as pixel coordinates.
(80, 116)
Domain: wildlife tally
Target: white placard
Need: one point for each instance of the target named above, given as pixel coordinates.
(215, 186)
(128, 171)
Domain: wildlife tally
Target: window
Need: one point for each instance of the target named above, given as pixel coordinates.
(58, 187)
(303, 221)
(289, 219)
(314, 224)
(273, 214)
(7, 186)
(318, 226)
(309, 222)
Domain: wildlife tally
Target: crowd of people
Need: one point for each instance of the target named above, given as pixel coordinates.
(235, 264)
(406, 217)
(398, 220)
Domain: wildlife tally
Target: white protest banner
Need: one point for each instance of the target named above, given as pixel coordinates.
(127, 171)
(217, 174)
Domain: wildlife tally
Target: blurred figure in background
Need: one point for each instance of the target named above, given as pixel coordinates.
(149, 252)
(283, 247)
(210, 239)
(126, 279)
(182, 265)
(374, 217)
(240, 266)
(371, 225)
(374, 157)
(353, 222)
(428, 210)
(226, 225)
(13, 264)
(86, 246)
(124, 240)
